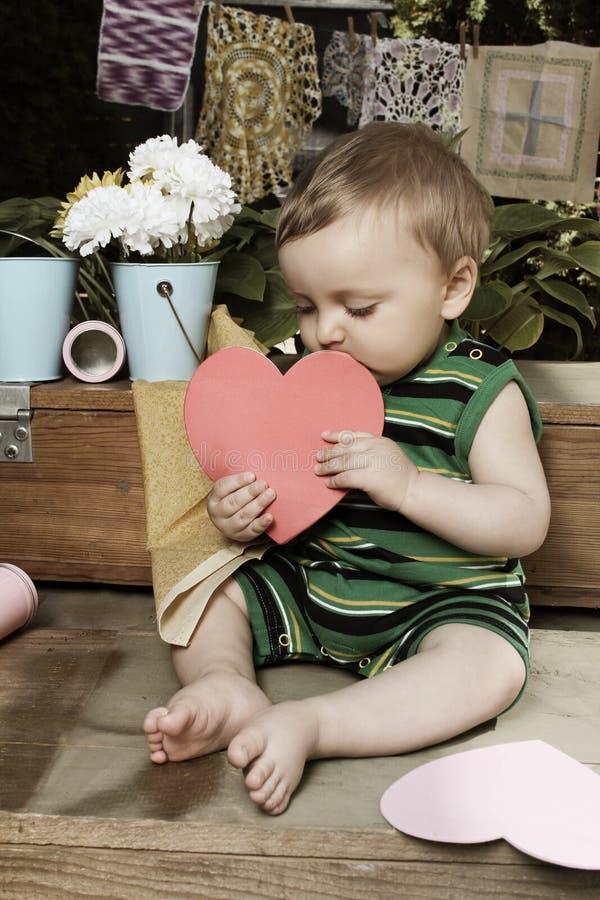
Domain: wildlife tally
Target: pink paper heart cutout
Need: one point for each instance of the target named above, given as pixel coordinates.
(540, 800)
(241, 414)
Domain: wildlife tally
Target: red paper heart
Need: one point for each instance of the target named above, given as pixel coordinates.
(242, 414)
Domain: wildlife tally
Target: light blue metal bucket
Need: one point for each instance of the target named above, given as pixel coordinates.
(36, 298)
(165, 340)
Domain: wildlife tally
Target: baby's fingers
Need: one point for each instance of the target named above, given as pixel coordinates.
(230, 483)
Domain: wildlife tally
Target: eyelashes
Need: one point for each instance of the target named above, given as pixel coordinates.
(354, 312)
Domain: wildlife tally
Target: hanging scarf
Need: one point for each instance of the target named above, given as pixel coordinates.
(146, 51)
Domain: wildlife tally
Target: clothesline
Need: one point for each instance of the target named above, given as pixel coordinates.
(530, 115)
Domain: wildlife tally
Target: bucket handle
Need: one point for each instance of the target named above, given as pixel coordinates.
(165, 289)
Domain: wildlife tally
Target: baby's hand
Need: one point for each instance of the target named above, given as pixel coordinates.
(367, 463)
(236, 506)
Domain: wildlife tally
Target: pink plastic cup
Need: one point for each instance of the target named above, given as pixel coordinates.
(18, 599)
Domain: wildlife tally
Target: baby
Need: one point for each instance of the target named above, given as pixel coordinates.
(413, 581)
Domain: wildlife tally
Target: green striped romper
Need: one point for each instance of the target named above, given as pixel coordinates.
(363, 586)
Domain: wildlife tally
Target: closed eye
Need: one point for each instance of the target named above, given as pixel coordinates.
(358, 311)
(303, 310)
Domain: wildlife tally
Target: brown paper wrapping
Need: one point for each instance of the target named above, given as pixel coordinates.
(532, 119)
(190, 557)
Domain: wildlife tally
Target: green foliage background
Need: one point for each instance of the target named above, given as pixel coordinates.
(512, 22)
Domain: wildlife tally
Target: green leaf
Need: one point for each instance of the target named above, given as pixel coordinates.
(263, 248)
(507, 259)
(587, 255)
(275, 318)
(520, 219)
(241, 274)
(555, 261)
(581, 224)
(569, 322)
(520, 327)
(566, 293)
(488, 301)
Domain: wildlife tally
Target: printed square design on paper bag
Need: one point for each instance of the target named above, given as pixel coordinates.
(532, 122)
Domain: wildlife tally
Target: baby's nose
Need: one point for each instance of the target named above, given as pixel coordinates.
(329, 330)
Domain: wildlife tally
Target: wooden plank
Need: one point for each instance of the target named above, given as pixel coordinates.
(77, 513)
(568, 392)
(569, 557)
(82, 811)
(69, 393)
(53, 873)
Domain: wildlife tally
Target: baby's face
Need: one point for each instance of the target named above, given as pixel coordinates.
(366, 287)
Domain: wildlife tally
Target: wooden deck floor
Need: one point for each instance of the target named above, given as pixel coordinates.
(83, 813)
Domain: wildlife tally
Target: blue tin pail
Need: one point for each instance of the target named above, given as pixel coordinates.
(164, 309)
(36, 298)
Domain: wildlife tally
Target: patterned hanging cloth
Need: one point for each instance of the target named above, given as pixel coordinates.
(414, 80)
(146, 51)
(533, 119)
(261, 97)
(343, 71)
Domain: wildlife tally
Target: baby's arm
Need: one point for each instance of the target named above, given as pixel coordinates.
(504, 512)
(236, 506)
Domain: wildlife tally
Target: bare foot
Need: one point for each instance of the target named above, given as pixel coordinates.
(202, 717)
(272, 749)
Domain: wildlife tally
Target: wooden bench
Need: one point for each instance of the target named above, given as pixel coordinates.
(77, 512)
(83, 812)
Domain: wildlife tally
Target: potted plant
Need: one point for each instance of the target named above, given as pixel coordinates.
(541, 267)
(155, 226)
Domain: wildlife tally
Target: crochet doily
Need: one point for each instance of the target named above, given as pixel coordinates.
(261, 96)
(343, 72)
(418, 80)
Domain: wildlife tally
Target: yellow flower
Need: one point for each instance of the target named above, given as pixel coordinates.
(86, 184)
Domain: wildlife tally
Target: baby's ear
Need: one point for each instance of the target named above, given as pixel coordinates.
(460, 285)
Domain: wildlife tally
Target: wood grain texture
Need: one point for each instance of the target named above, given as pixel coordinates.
(54, 873)
(84, 813)
(77, 512)
(569, 557)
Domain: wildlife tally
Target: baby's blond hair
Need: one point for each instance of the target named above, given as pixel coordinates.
(407, 166)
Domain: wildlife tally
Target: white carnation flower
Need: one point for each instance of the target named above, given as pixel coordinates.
(103, 214)
(170, 188)
(158, 220)
(158, 155)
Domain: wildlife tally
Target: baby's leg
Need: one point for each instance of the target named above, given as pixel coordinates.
(219, 693)
(462, 675)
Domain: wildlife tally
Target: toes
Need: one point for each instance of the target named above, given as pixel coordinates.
(274, 796)
(180, 717)
(151, 720)
(159, 756)
(246, 746)
(258, 774)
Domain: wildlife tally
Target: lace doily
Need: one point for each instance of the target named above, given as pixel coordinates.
(343, 72)
(420, 80)
(262, 94)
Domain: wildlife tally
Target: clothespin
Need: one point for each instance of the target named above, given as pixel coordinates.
(197, 5)
(351, 34)
(374, 29)
(475, 40)
(462, 31)
(289, 14)
(217, 12)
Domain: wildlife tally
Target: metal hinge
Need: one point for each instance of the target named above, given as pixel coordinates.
(15, 423)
